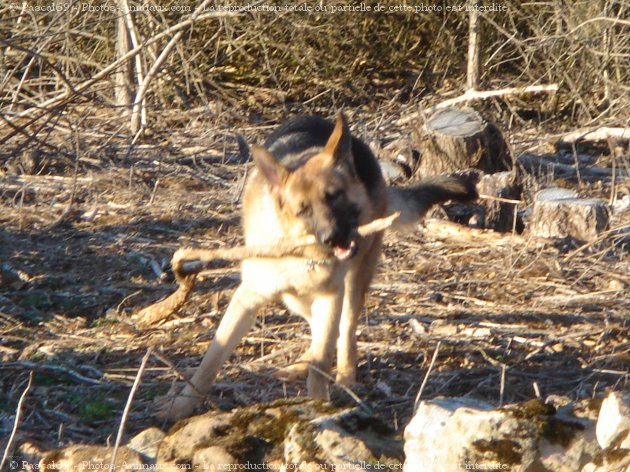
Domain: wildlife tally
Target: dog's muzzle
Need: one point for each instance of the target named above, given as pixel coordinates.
(344, 253)
(343, 247)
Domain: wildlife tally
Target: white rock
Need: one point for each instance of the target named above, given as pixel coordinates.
(463, 434)
(571, 452)
(191, 434)
(614, 421)
(442, 432)
(348, 440)
(146, 443)
(569, 442)
(213, 459)
(392, 171)
(622, 204)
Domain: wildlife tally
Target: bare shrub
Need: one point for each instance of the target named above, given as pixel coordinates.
(256, 61)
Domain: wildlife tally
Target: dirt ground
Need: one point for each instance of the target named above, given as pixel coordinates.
(83, 247)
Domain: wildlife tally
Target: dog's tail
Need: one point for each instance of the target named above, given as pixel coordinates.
(413, 202)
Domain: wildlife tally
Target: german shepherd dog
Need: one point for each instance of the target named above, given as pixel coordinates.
(313, 178)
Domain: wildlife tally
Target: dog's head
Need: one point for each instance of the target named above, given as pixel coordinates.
(316, 198)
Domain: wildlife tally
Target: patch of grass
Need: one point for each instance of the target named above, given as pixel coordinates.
(93, 408)
(96, 410)
(39, 302)
(46, 380)
(35, 299)
(154, 392)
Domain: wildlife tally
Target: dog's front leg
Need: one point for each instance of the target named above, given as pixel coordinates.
(357, 283)
(236, 323)
(326, 312)
(347, 342)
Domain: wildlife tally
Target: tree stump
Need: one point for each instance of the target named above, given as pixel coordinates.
(558, 213)
(497, 214)
(454, 139)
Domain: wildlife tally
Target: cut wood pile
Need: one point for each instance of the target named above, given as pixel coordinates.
(512, 188)
(514, 195)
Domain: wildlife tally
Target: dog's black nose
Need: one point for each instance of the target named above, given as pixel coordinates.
(327, 236)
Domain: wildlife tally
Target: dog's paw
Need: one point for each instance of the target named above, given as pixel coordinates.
(347, 378)
(174, 408)
(297, 371)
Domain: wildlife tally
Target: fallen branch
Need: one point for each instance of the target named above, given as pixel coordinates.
(534, 164)
(470, 95)
(125, 415)
(50, 368)
(599, 134)
(188, 262)
(447, 230)
(16, 422)
(162, 309)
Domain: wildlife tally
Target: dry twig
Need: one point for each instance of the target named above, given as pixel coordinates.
(426, 376)
(600, 134)
(50, 368)
(123, 420)
(18, 415)
(473, 95)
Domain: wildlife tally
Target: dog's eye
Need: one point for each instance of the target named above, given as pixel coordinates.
(335, 196)
(303, 209)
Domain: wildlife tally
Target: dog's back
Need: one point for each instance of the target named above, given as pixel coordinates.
(304, 136)
(300, 138)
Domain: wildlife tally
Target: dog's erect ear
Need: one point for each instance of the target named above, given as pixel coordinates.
(339, 144)
(268, 165)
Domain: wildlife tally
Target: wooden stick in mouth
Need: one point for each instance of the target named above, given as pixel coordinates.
(188, 262)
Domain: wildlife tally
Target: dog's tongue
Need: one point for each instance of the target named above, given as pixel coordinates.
(344, 252)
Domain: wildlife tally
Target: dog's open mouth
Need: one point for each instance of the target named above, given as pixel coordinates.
(345, 252)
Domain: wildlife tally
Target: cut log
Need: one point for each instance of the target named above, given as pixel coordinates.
(495, 190)
(555, 193)
(453, 140)
(600, 134)
(557, 213)
(559, 167)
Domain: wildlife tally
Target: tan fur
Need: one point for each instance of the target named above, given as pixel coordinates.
(325, 286)
(328, 292)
